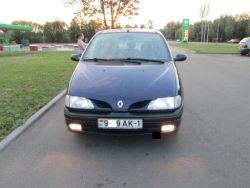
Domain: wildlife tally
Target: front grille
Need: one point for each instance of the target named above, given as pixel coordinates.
(101, 104)
(140, 104)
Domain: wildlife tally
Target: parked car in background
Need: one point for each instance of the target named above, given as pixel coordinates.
(244, 46)
(234, 41)
(126, 82)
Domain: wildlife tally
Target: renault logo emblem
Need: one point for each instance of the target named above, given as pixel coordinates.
(120, 104)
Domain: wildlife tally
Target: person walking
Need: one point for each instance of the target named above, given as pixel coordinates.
(80, 43)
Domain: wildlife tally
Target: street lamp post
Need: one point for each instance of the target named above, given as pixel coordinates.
(201, 32)
(43, 36)
(207, 31)
(218, 32)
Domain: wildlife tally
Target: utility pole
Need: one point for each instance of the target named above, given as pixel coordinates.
(201, 32)
(207, 31)
(218, 32)
(43, 35)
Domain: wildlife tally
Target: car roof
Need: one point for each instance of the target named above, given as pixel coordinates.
(130, 30)
(245, 39)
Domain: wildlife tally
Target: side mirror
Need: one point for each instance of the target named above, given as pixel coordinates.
(75, 57)
(180, 57)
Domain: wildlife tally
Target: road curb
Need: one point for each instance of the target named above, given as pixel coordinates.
(183, 48)
(21, 129)
(230, 53)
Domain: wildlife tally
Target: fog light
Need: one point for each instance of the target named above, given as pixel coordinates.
(75, 127)
(168, 128)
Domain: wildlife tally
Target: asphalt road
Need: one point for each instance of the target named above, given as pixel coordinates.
(211, 149)
(210, 43)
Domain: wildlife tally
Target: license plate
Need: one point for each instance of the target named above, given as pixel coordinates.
(120, 123)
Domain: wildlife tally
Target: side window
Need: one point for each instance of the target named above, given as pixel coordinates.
(248, 43)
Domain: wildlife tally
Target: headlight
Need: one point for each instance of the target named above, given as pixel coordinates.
(78, 102)
(165, 103)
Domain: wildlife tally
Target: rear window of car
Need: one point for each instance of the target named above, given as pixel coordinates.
(127, 45)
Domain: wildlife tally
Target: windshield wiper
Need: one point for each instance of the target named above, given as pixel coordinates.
(123, 60)
(127, 60)
(146, 60)
(96, 59)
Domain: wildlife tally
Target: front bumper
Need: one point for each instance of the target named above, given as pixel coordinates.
(151, 122)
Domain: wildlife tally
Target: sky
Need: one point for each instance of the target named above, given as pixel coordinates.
(160, 11)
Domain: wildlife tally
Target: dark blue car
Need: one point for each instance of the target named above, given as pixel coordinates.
(126, 82)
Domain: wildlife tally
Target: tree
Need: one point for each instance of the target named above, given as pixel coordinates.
(89, 28)
(118, 26)
(150, 24)
(223, 22)
(142, 26)
(1, 37)
(171, 29)
(82, 26)
(231, 29)
(74, 28)
(242, 24)
(128, 26)
(136, 26)
(226, 27)
(34, 36)
(164, 32)
(178, 33)
(109, 10)
(56, 32)
(248, 29)
(194, 32)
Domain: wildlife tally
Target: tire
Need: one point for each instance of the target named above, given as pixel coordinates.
(242, 54)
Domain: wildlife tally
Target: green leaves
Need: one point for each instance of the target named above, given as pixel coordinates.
(226, 26)
(170, 30)
(56, 32)
(34, 36)
(106, 10)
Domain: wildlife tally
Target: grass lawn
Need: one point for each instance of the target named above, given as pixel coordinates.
(28, 81)
(207, 47)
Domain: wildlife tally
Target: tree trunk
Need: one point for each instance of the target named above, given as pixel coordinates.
(112, 15)
(104, 14)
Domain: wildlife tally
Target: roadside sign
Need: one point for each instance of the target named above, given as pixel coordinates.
(185, 31)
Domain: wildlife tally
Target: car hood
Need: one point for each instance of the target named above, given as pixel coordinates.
(129, 83)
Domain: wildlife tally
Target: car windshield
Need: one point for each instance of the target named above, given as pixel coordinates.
(112, 46)
(244, 40)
